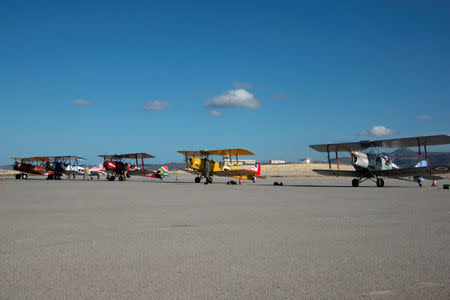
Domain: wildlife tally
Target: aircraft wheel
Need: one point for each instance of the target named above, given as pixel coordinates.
(24, 176)
(127, 175)
(18, 176)
(197, 179)
(98, 177)
(120, 178)
(355, 182)
(380, 182)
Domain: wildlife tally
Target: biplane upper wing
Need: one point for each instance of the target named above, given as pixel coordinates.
(222, 152)
(431, 140)
(127, 155)
(240, 172)
(66, 157)
(33, 159)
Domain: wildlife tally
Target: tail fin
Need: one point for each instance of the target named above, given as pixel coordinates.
(256, 169)
(163, 170)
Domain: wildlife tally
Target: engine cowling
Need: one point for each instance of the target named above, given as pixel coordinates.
(360, 160)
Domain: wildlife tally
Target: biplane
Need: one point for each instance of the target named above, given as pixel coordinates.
(116, 166)
(201, 163)
(370, 165)
(51, 166)
(66, 164)
(29, 165)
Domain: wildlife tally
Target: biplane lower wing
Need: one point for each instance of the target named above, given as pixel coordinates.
(416, 171)
(241, 172)
(345, 173)
(140, 172)
(426, 172)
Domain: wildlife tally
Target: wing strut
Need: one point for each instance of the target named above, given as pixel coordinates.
(237, 162)
(426, 154)
(185, 157)
(420, 153)
(328, 151)
(337, 160)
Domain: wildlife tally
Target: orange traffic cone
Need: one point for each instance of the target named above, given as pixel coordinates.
(240, 180)
(434, 183)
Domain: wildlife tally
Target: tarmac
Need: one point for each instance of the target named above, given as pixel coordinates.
(310, 238)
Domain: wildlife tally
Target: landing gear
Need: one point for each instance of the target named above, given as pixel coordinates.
(24, 176)
(355, 182)
(197, 179)
(111, 178)
(120, 178)
(18, 176)
(208, 180)
(380, 182)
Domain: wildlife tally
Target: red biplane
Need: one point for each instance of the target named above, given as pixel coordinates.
(30, 165)
(116, 166)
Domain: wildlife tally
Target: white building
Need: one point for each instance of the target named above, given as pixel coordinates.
(277, 161)
(241, 161)
(306, 160)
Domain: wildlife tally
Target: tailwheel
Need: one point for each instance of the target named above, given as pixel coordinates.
(18, 176)
(24, 176)
(197, 179)
(355, 182)
(380, 182)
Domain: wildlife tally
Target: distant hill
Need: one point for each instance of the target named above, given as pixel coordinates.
(173, 166)
(406, 158)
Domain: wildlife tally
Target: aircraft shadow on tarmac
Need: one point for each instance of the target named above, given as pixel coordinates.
(180, 182)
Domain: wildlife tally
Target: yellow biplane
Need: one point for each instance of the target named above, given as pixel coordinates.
(202, 164)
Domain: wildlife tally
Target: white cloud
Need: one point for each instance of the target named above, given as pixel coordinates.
(156, 105)
(377, 131)
(241, 85)
(216, 114)
(82, 102)
(424, 117)
(233, 98)
(280, 96)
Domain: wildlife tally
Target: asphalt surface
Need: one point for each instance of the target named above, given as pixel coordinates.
(310, 238)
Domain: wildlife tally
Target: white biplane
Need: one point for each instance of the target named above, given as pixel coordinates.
(373, 166)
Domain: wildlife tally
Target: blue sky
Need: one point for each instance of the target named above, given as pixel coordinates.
(272, 77)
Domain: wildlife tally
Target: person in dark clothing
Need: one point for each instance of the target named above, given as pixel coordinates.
(207, 171)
